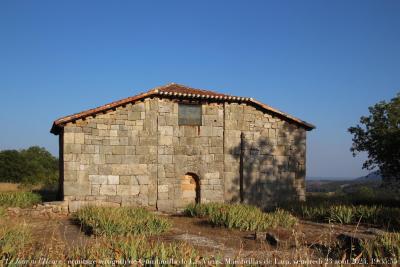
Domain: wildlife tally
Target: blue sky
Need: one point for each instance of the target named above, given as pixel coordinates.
(322, 61)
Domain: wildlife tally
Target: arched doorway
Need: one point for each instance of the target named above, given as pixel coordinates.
(190, 186)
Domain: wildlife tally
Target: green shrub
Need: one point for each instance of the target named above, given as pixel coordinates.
(19, 199)
(341, 214)
(240, 216)
(31, 166)
(313, 213)
(202, 210)
(384, 246)
(121, 221)
(324, 208)
(13, 240)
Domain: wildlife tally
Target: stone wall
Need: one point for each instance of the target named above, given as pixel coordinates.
(273, 153)
(189, 149)
(111, 159)
(138, 155)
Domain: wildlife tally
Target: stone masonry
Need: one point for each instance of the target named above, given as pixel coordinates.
(137, 154)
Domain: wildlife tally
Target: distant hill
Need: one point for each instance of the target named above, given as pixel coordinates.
(372, 177)
(333, 184)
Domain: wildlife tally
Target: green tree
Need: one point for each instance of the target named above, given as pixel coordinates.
(11, 163)
(34, 165)
(379, 136)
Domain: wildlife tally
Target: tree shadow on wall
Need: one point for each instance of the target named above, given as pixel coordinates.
(270, 170)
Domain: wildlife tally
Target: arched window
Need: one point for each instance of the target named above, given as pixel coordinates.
(190, 186)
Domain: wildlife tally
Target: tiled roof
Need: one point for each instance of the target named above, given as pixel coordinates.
(174, 90)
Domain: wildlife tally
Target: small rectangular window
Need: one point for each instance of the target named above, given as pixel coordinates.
(189, 114)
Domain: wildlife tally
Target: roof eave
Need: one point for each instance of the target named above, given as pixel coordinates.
(304, 124)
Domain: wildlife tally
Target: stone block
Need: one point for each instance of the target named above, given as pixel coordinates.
(217, 150)
(127, 190)
(134, 115)
(165, 107)
(72, 148)
(211, 175)
(79, 138)
(162, 195)
(88, 149)
(163, 188)
(105, 169)
(108, 190)
(165, 140)
(103, 126)
(113, 159)
(206, 131)
(165, 205)
(98, 159)
(112, 179)
(129, 169)
(119, 150)
(76, 189)
(142, 179)
(125, 179)
(140, 106)
(69, 138)
(95, 190)
(70, 176)
(74, 206)
(164, 159)
(166, 130)
(214, 181)
(98, 179)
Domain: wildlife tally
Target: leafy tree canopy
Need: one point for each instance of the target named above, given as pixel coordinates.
(379, 136)
(34, 165)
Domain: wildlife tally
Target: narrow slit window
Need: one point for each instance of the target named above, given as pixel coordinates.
(189, 114)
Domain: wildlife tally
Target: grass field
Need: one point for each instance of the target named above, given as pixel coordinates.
(337, 208)
(210, 231)
(243, 217)
(120, 221)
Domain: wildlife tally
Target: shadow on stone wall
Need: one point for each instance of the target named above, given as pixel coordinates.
(270, 175)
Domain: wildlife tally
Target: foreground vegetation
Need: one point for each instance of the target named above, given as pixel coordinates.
(19, 199)
(120, 221)
(123, 237)
(340, 209)
(131, 249)
(386, 245)
(240, 216)
(16, 243)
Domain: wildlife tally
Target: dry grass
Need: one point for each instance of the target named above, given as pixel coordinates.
(19, 199)
(10, 187)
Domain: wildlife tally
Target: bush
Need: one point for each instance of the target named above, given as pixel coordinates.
(385, 217)
(202, 210)
(13, 240)
(19, 199)
(120, 221)
(240, 216)
(384, 246)
(31, 166)
(341, 214)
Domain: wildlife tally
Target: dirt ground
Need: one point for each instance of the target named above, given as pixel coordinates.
(307, 240)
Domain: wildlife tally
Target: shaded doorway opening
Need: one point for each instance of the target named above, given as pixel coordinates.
(190, 186)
